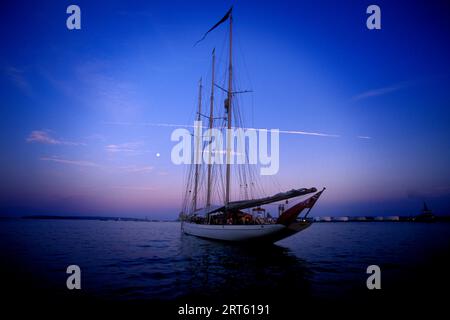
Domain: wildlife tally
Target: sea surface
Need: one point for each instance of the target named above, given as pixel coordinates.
(153, 261)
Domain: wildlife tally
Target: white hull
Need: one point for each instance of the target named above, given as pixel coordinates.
(243, 233)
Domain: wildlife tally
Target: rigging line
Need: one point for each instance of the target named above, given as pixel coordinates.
(247, 167)
(220, 183)
(223, 54)
(183, 197)
(215, 186)
(188, 184)
(241, 52)
(239, 45)
(234, 92)
(187, 201)
(223, 89)
(242, 169)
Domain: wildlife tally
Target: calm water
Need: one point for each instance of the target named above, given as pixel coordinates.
(154, 261)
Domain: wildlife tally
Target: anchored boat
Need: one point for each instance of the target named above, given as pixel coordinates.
(244, 219)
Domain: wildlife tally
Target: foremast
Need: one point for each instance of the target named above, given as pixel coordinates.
(211, 122)
(197, 144)
(228, 106)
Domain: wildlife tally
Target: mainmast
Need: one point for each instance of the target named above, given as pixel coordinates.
(228, 105)
(211, 120)
(197, 144)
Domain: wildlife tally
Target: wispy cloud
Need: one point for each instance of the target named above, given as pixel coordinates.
(80, 163)
(44, 136)
(17, 76)
(174, 125)
(380, 91)
(131, 148)
(84, 163)
(105, 88)
(100, 85)
(137, 169)
(134, 188)
(308, 133)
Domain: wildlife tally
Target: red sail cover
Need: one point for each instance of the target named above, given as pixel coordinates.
(289, 216)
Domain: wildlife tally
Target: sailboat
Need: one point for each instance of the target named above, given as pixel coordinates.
(425, 216)
(244, 219)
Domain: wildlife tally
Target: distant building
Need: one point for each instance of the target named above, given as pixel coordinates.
(392, 218)
(340, 219)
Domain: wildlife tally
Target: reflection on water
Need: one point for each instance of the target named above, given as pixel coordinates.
(154, 261)
(148, 261)
(217, 269)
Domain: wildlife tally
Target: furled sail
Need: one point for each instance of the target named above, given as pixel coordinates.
(244, 204)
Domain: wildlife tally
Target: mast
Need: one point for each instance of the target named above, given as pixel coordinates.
(211, 119)
(229, 98)
(197, 145)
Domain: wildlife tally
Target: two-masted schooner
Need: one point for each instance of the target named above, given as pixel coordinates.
(243, 219)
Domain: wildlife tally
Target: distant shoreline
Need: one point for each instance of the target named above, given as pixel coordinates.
(315, 219)
(96, 218)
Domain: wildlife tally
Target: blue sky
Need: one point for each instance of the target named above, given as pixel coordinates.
(313, 66)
